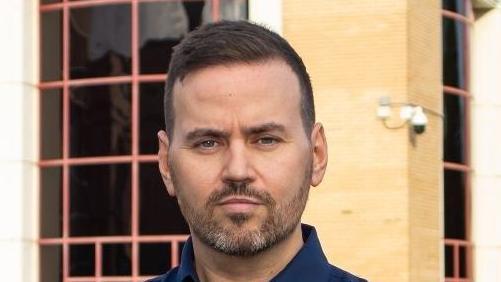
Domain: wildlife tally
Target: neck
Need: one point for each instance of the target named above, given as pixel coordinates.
(212, 265)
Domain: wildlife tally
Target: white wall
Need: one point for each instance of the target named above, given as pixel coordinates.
(18, 141)
(486, 146)
(267, 13)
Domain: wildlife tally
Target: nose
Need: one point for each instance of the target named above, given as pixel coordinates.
(237, 166)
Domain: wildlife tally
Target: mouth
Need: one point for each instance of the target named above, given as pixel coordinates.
(239, 204)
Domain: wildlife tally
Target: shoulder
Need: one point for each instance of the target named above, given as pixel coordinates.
(170, 276)
(339, 275)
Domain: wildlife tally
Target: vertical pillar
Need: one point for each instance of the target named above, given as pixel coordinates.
(486, 152)
(18, 142)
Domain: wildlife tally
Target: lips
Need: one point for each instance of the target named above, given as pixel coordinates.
(239, 205)
(237, 200)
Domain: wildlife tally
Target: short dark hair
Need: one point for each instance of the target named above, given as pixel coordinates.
(230, 42)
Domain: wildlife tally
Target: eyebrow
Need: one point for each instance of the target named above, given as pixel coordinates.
(266, 127)
(216, 133)
(201, 132)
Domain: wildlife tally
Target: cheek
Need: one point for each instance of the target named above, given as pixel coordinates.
(285, 172)
(195, 178)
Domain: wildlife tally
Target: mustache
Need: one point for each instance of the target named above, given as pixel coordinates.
(239, 189)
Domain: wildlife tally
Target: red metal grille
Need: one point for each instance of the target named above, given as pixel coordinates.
(458, 252)
(134, 159)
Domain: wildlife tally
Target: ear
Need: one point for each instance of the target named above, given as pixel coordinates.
(163, 161)
(320, 154)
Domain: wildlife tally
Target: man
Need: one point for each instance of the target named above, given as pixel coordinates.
(240, 153)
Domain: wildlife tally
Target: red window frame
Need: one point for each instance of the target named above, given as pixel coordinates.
(134, 159)
(465, 168)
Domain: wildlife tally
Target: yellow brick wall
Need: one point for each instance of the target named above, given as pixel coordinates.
(377, 211)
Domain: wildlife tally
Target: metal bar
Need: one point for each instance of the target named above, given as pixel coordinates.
(135, 139)
(99, 81)
(50, 84)
(93, 3)
(66, 140)
(457, 166)
(98, 260)
(455, 255)
(456, 16)
(80, 4)
(114, 239)
(215, 10)
(98, 160)
(161, 77)
(456, 91)
(102, 278)
(87, 161)
(459, 242)
(104, 80)
(174, 249)
(467, 141)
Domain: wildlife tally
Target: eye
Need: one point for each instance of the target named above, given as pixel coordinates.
(267, 141)
(207, 144)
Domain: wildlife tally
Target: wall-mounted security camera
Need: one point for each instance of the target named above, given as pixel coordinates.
(409, 114)
(419, 120)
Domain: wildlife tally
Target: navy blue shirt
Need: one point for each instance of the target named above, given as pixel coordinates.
(309, 265)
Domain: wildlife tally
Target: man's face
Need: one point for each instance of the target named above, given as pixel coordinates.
(239, 160)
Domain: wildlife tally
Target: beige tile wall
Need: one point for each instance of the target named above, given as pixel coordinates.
(378, 210)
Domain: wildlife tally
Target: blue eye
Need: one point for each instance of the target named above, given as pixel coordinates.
(207, 144)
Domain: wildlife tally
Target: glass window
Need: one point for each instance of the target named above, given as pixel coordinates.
(108, 178)
(453, 40)
(100, 120)
(51, 216)
(100, 200)
(82, 260)
(51, 45)
(454, 128)
(155, 258)
(455, 204)
(51, 263)
(151, 118)
(457, 6)
(116, 259)
(51, 111)
(100, 41)
(155, 201)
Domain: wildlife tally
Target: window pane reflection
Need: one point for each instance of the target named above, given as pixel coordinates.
(454, 128)
(454, 70)
(151, 118)
(159, 213)
(100, 200)
(100, 41)
(454, 204)
(82, 260)
(100, 120)
(116, 259)
(463, 254)
(449, 261)
(51, 107)
(51, 45)
(457, 6)
(163, 24)
(51, 202)
(51, 263)
(155, 258)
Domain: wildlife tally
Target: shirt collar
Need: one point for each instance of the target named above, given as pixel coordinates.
(309, 264)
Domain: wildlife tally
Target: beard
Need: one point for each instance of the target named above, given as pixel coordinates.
(234, 238)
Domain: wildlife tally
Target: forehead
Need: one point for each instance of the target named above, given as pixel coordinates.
(244, 93)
